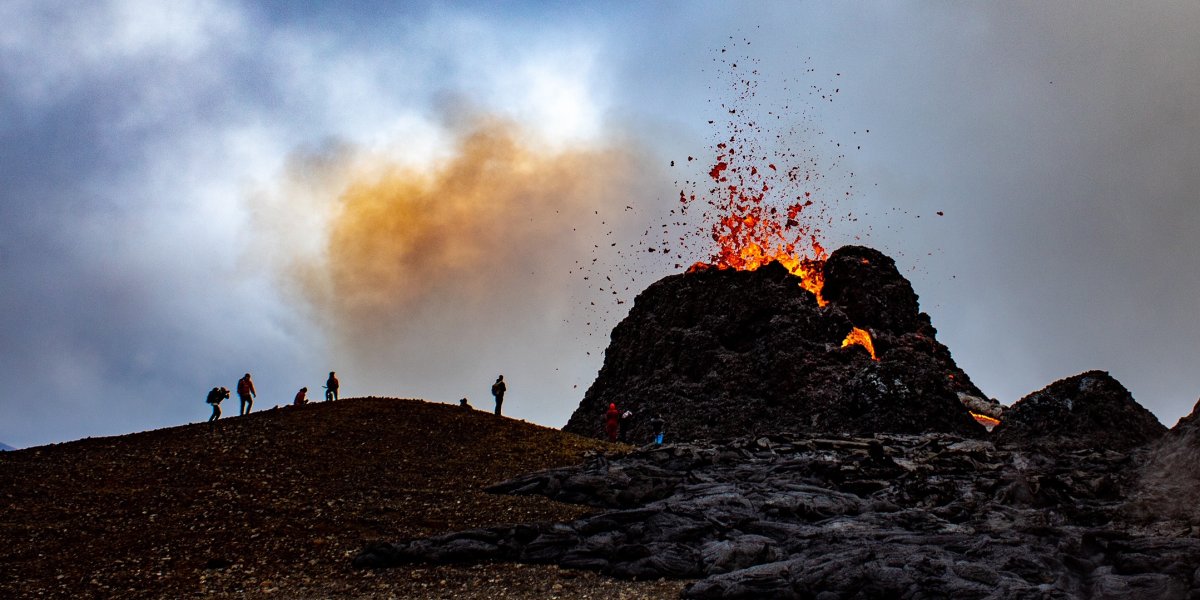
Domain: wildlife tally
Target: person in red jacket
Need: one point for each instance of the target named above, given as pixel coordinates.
(246, 393)
(612, 422)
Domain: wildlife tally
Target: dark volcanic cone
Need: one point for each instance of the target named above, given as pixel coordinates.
(1089, 410)
(721, 353)
(1171, 478)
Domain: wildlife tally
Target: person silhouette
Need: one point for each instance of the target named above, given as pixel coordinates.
(215, 396)
(301, 397)
(246, 393)
(498, 390)
(331, 387)
(657, 425)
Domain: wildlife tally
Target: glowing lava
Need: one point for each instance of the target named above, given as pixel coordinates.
(763, 199)
(985, 420)
(861, 338)
(753, 233)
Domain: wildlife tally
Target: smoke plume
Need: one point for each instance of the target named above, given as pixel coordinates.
(472, 261)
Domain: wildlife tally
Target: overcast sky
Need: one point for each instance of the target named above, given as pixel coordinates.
(414, 196)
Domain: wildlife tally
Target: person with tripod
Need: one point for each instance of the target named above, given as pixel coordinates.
(331, 387)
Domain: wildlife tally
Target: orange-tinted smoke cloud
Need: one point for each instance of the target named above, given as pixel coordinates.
(464, 245)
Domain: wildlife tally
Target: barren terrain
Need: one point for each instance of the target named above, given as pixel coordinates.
(276, 504)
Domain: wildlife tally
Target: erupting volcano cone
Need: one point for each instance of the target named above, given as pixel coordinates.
(722, 352)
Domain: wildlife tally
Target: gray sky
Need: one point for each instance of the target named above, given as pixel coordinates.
(193, 190)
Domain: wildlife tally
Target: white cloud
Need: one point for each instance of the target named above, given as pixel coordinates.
(180, 29)
(52, 48)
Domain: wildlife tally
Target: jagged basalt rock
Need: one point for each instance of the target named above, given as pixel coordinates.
(1089, 410)
(864, 283)
(801, 516)
(723, 352)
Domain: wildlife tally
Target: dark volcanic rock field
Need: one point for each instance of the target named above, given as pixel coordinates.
(889, 516)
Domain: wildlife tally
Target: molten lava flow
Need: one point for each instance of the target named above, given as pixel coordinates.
(812, 277)
(862, 338)
(986, 421)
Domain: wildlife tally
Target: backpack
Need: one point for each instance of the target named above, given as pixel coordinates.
(215, 396)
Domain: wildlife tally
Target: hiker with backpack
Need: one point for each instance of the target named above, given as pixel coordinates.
(657, 425)
(246, 393)
(215, 396)
(498, 390)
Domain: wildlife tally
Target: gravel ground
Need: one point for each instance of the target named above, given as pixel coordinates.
(276, 503)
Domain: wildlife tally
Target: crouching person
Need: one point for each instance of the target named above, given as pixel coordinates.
(215, 396)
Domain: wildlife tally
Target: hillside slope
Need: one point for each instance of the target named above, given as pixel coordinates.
(274, 504)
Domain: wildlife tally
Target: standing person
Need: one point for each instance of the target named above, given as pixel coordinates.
(215, 396)
(246, 394)
(656, 426)
(331, 387)
(626, 423)
(498, 390)
(612, 422)
(301, 397)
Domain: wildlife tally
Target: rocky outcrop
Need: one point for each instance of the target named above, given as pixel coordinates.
(1170, 482)
(1089, 410)
(889, 516)
(864, 284)
(722, 352)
